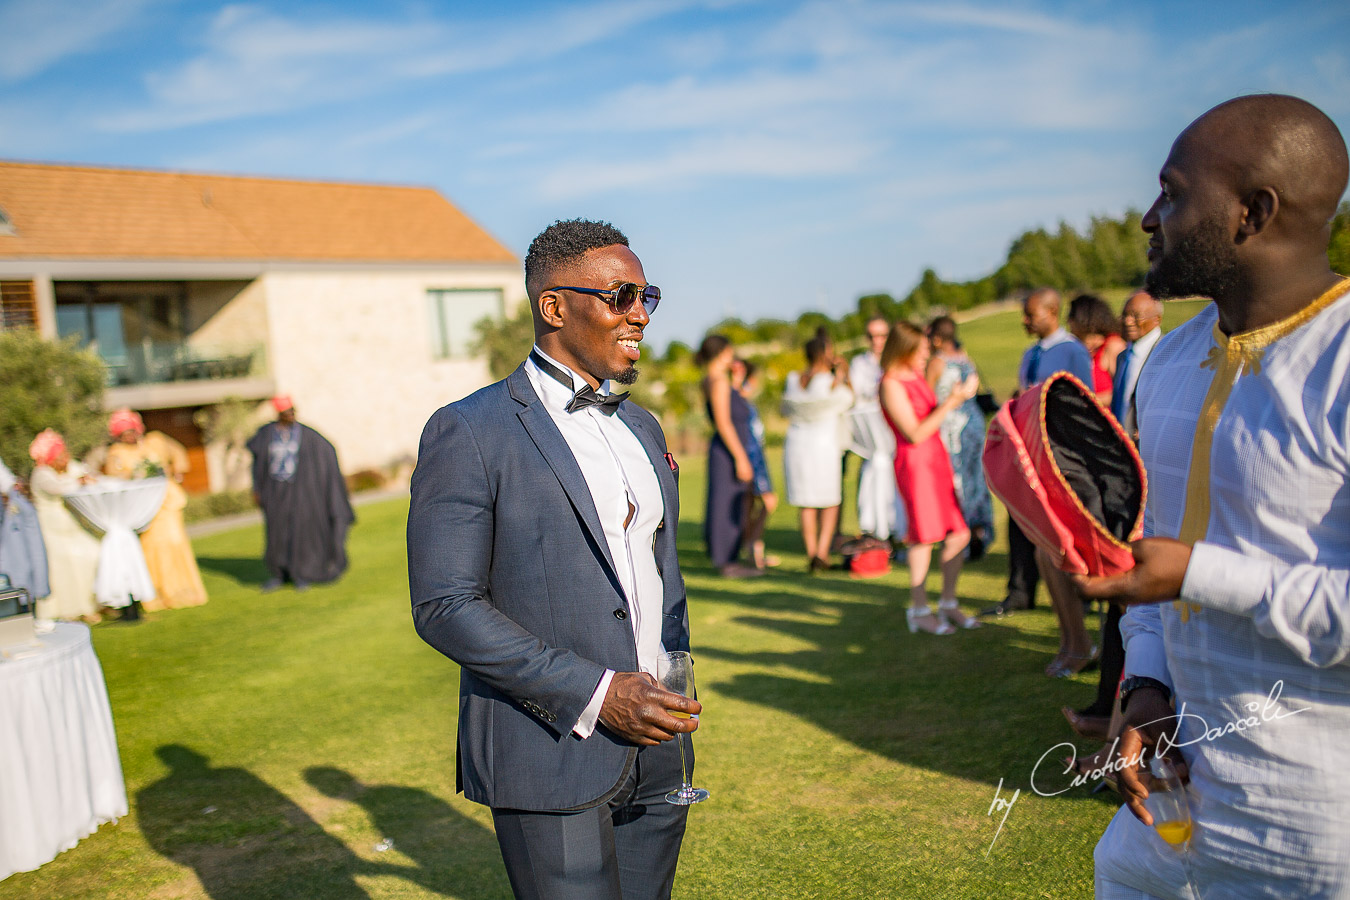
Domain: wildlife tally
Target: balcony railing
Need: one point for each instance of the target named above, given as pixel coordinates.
(167, 363)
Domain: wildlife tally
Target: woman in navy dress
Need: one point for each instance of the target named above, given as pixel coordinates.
(729, 468)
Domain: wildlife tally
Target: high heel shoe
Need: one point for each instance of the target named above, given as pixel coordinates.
(1071, 665)
(921, 618)
(950, 610)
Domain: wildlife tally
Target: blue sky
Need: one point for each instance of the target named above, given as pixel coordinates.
(765, 158)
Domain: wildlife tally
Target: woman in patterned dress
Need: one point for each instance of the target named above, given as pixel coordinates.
(962, 431)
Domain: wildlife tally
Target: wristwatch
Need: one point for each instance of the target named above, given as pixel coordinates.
(1135, 682)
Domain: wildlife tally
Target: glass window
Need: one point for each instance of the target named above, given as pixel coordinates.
(451, 315)
(137, 328)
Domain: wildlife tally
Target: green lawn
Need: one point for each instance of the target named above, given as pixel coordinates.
(270, 742)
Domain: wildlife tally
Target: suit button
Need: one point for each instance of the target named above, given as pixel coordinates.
(620, 614)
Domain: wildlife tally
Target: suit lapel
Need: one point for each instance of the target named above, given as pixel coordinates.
(546, 436)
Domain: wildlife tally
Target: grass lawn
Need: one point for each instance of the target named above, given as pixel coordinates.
(271, 742)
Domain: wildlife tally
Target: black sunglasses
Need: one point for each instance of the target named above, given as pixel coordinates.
(622, 298)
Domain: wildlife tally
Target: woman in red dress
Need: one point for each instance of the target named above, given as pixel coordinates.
(923, 472)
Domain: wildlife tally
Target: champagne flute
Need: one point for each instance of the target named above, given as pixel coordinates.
(1167, 802)
(675, 671)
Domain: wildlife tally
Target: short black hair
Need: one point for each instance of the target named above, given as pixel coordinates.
(562, 242)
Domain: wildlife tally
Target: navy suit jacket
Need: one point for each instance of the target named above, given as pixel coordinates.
(511, 577)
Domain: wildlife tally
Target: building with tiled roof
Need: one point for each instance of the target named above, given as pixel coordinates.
(358, 300)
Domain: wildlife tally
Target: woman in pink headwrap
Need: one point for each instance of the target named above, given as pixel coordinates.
(168, 552)
(72, 550)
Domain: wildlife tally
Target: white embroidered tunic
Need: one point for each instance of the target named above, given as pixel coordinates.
(1246, 440)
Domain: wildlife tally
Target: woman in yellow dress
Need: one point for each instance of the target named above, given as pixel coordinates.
(168, 552)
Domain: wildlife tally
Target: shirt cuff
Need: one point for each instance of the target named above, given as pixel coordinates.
(1147, 658)
(591, 714)
(1225, 580)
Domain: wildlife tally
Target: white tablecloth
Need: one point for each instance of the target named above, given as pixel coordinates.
(60, 776)
(120, 508)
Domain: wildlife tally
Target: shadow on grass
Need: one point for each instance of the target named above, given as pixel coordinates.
(975, 704)
(244, 839)
(455, 855)
(245, 570)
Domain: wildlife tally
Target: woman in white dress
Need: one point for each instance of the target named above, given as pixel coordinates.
(72, 550)
(815, 402)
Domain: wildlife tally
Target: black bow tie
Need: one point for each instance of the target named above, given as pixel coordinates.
(587, 396)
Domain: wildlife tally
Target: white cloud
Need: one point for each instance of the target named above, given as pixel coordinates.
(714, 156)
(38, 34)
(1024, 22)
(256, 62)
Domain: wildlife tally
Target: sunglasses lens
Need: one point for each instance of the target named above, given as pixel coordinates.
(627, 294)
(624, 297)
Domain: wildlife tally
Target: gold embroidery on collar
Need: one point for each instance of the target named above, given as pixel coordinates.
(1231, 357)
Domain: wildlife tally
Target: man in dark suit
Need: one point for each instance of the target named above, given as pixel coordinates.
(1141, 326)
(541, 556)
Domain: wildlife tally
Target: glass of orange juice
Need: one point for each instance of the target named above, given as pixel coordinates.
(675, 671)
(1168, 804)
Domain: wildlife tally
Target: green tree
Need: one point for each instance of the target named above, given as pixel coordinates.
(1338, 254)
(883, 305)
(231, 422)
(505, 342)
(47, 384)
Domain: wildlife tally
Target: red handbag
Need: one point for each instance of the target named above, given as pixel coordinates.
(1069, 476)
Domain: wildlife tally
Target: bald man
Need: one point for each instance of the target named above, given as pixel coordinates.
(1141, 326)
(1238, 634)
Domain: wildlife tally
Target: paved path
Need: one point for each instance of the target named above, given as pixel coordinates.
(253, 517)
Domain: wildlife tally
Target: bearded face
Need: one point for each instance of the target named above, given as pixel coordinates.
(1199, 263)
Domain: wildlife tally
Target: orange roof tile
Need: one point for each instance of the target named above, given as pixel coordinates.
(82, 212)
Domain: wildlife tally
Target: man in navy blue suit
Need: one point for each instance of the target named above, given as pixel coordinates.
(541, 556)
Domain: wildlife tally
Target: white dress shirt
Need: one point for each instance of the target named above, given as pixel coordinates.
(1246, 440)
(618, 473)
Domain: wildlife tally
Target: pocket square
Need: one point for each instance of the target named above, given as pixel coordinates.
(674, 466)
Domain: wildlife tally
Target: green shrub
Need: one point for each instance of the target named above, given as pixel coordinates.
(211, 506)
(47, 384)
(365, 480)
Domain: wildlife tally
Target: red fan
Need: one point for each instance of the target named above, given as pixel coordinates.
(1069, 475)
